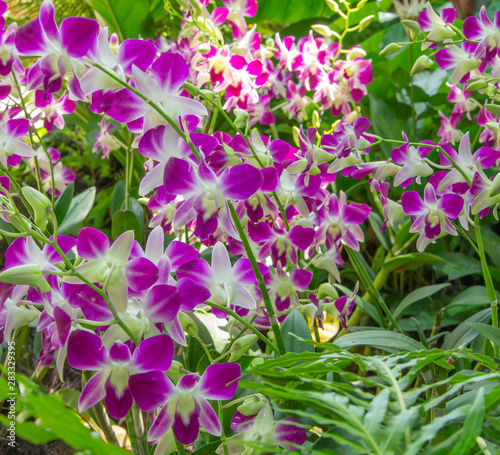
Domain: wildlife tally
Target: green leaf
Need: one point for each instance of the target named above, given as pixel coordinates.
(472, 426)
(457, 265)
(296, 326)
(136, 207)
(416, 296)
(63, 202)
(384, 122)
(487, 331)
(289, 11)
(475, 295)
(411, 261)
(125, 220)
(118, 196)
(79, 208)
(463, 334)
(376, 223)
(376, 413)
(383, 339)
(124, 17)
(396, 428)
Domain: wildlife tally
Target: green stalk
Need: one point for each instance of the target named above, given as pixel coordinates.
(131, 432)
(260, 281)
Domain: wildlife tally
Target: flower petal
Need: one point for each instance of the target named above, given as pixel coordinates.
(150, 390)
(220, 381)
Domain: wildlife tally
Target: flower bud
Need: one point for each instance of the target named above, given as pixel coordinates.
(252, 405)
(365, 22)
(390, 49)
(242, 118)
(187, 324)
(204, 48)
(422, 63)
(493, 108)
(191, 88)
(477, 85)
(412, 29)
(174, 372)
(327, 291)
(209, 95)
(495, 188)
(332, 5)
(241, 346)
(490, 90)
(40, 204)
(321, 29)
(29, 274)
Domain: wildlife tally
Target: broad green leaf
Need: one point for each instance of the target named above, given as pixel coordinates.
(296, 326)
(124, 17)
(78, 210)
(411, 261)
(125, 220)
(136, 207)
(118, 196)
(382, 339)
(457, 265)
(376, 223)
(63, 202)
(475, 295)
(376, 413)
(463, 334)
(416, 296)
(472, 426)
(395, 430)
(289, 11)
(384, 122)
(487, 331)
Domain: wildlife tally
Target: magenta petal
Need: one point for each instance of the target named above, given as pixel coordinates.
(289, 434)
(301, 279)
(17, 127)
(452, 205)
(30, 39)
(155, 353)
(260, 232)
(208, 418)
(472, 28)
(243, 271)
(412, 203)
(170, 70)
(220, 381)
(78, 34)
(63, 325)
(161, 424)
(301, 237)
(191, 294)
(47, 20)
(179, 177)
(91, 244)
(179, 253)
(94, 391)
(119, 352)
(136, 52)
(85, 351)
(445, 59)
(186, 432)
(124, 106)
(240, 181)
(117, 407)
(141, 274)
(64, 242)
(150, 390)
(162, 303)
(219, 15)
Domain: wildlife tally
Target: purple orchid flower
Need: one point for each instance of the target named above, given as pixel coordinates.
(169, 71)
(462, 59)
(60, 48)
(261, 431)
(105, 141)
(341, 221)
(121, 374)
(278, 243)
(186, 406)
(438, 26)
(284, 288)
(227, 284)
(269, 152)
(113, 266)
(162, 143)
(205, 193)
(54, 110)
(14, 311)
(13, 147)
(237, 11)
(294, 189)
(485, 31)
(431, 218)
(8, 52)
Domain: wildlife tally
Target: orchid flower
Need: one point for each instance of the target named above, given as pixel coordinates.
(121, 373)
(13, 148)
(431, 218)
(185, 405)
(484, 30)
(437, 26)
(53, 110)
(60, 48)
(462, 59)
(284, 287)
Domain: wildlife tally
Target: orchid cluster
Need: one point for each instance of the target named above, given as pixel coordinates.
(239, 223)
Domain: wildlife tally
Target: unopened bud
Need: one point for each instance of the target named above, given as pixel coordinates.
(242, 118)
(356, 52)
(174, 372)
(422, 63)
(204, 48)
(252, 405)
(323, 30)
(495, 188)
(477, 85)
(365, 22)
(29, 274)
(390, 49)
(327, 291)
(187, 324)
(412, 29)
(209, 95)
(241, 346)
(491, 90)
(191, 88)
(332, 5)
(494, 109)
(40, 204)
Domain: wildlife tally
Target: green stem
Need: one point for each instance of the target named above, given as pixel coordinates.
(131, 433)
(260, 280)
(245, 323)
(180, 448)
(487, 281)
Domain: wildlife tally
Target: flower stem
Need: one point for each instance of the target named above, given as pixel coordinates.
(260, 281)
